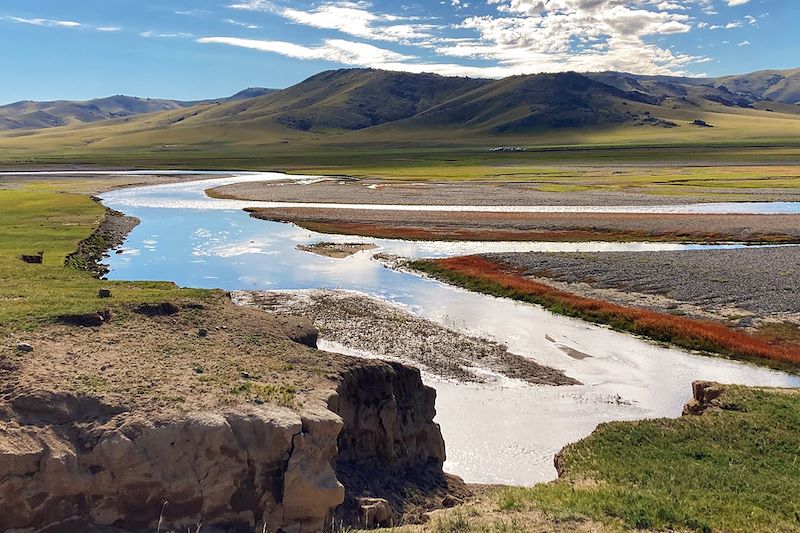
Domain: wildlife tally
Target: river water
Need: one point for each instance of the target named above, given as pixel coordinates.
(504, 431)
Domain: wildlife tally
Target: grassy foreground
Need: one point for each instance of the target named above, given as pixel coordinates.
(732, 469)
(479, 274)
(40, 217)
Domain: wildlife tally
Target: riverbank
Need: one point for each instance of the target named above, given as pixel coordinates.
(369, 325)
(557, 227)
(123, 407)
(706, 471)
(493, 277)
(580, 186)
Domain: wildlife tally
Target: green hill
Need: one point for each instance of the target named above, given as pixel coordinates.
(367, 108)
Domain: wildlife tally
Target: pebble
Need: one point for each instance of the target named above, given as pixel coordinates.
(24, 347)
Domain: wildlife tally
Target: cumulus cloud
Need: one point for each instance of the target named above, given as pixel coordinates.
(520, 36)
(737, 2)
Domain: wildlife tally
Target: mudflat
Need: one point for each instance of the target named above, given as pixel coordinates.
(479, 192)
(493, 226)
(747, 285)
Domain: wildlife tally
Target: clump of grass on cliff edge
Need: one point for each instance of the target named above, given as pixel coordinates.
(734, 469)
(481, 275)
(40, 218)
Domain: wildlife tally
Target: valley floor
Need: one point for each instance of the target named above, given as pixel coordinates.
(161, 353)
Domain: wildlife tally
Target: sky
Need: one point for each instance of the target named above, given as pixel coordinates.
(80, 49)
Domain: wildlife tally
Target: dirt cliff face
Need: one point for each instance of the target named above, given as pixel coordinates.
(390, 447)
(64, 468)
(70, 460)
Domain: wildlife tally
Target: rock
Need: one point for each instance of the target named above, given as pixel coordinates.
(701, 123)
(375, 512)
(104, 293)
(24, 347)
(202, 332)
(705, 396)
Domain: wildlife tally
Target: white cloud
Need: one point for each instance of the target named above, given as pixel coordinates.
(744, 43)
(335, 50)
(241, 24)
(149, 34)
(108, 28)
(522, 36)
(46, 22)
(737, 2)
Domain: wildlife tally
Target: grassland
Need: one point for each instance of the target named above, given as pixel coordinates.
(732, 469)
(44, 217)
(482, 275)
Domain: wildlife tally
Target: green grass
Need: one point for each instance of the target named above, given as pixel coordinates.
(731, 470)
(39, 218)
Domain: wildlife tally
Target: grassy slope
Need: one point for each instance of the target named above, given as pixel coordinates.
(729, 470)
(41, 217)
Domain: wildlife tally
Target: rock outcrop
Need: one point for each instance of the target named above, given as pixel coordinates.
(705, 395)
(68, 462)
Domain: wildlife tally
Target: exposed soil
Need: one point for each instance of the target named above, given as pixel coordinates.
(375, 191)
(388, 331)
(744, 285)
(336, 250)
(470, 226)
(162, 365)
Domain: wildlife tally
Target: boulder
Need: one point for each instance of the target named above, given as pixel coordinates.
(375, 512)
(24, 347)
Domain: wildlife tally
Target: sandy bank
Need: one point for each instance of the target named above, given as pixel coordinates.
(431, 225)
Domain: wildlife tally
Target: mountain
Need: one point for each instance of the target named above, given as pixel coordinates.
(251, 92)
(777, 85)
(366, 106)
(29, 114)
(351, 99)
(538, 102)
(781, 86)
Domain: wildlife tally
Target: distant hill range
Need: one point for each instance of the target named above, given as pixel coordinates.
(28, 114)
(357, 106)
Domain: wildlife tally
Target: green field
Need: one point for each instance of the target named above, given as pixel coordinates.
(44, 218)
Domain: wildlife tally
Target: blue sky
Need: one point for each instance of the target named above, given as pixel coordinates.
(53, 49)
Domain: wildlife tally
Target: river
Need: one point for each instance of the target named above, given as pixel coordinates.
(504, 431)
